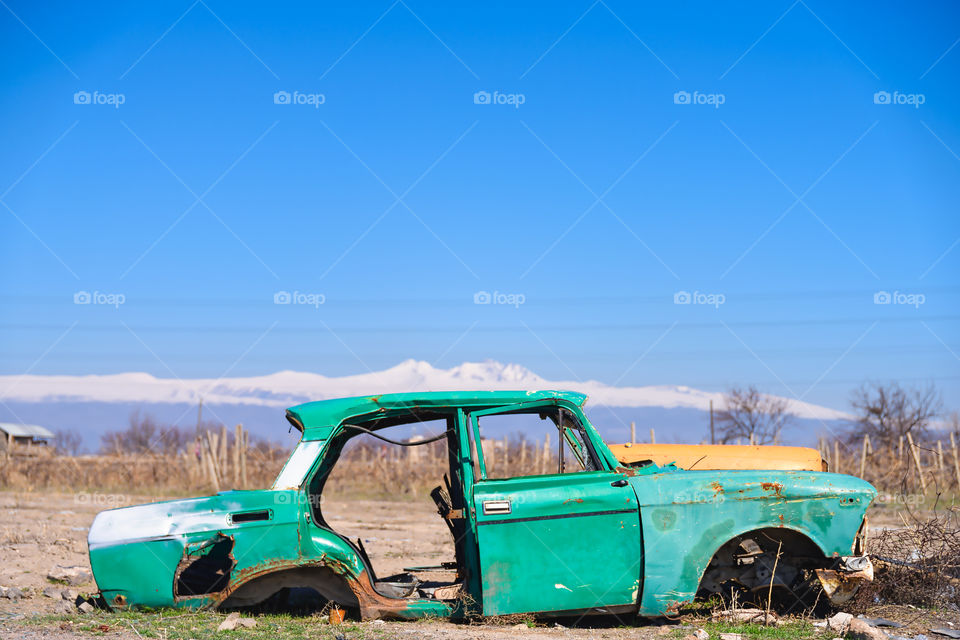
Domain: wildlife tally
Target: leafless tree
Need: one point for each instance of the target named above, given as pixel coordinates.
(68, 442)
(144, 435)
(751, 415)
(887, 412)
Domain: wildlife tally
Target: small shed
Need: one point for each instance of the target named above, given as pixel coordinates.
(24, 434)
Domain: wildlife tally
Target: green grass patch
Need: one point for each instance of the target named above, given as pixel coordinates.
(799, 630)
(174, 624)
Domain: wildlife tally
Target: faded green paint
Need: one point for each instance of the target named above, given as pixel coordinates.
(608, 538)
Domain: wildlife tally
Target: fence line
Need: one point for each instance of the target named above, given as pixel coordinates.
(220, 460)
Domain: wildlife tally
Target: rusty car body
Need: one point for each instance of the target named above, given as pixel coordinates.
(596, 536)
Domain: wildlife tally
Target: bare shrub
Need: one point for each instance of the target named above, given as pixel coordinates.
(68, 443)
(917, 564)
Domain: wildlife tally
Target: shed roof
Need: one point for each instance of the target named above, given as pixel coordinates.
(26, 430)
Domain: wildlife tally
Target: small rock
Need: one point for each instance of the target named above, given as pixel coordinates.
(63, 606)
(69, 594)
(732, 636)
(52, 592)
(11, 593)
(950, 633)
(230, 622)
(519, 627)
(839, 622)
(860, 630)
(378, 623)
(690, 637)
(557, 625)
(86, 607)
(234, 620)
(701, 634)
(71, 575)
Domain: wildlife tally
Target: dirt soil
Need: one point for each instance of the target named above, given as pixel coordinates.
(39, 531)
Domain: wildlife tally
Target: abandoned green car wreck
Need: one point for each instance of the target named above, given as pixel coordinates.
(588, 536)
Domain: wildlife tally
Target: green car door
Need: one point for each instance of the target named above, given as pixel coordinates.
(557, 542)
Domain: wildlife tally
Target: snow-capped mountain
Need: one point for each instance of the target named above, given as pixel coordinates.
(286, 388)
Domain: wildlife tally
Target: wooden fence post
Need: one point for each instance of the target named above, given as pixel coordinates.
(237, 439)
(916, 461)
(956, 463)
(222, 456)
(243, 459)
(863, 454)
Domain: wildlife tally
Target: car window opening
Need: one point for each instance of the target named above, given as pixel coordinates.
(364, 454)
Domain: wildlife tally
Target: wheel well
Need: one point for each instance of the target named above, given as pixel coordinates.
(331, 586)
(788, 541)
(793, 552)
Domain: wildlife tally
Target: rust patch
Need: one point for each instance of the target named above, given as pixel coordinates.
(776, 487)
(577, 500)
(717, 487)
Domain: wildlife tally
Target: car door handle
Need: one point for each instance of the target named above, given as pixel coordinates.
(619, 483)
(496, 507)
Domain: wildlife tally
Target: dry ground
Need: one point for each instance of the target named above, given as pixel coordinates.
(41, 530)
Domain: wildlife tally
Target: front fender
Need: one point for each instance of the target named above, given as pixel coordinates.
(687, 516)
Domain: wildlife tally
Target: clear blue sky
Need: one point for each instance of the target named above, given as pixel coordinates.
(399, 197)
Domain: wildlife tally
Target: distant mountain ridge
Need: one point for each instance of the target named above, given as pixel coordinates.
(286, 388)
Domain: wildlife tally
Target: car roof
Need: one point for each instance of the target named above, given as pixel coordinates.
(326, 413)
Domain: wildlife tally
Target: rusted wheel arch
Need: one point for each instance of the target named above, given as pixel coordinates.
(797, 553)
